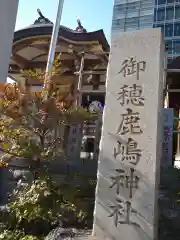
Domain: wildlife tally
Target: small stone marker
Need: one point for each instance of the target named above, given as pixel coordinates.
(132, 137)
(168, 137)
(8, 12)
(74, 142)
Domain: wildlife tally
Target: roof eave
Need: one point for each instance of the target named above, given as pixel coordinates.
(46, 29)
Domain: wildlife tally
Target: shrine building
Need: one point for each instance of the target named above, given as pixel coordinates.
(31, 47)
(30, 51)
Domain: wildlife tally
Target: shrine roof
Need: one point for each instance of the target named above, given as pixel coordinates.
(43, 26)
(46, 29)
(30, 47)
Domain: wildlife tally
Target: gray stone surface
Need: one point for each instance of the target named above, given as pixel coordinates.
(8, 12)
(131, 145)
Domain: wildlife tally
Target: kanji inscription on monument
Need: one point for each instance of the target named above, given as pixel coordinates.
(131, 66)
(131, 94)
(131, 141)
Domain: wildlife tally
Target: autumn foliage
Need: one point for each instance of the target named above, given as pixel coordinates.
(32, 127)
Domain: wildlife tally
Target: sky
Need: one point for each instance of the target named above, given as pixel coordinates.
(94, 14)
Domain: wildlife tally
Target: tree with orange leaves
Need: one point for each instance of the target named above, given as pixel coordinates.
(31, 127)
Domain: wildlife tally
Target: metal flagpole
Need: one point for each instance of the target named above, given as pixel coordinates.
(80, 78)
(52, 48)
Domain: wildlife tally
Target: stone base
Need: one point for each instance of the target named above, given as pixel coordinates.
(177, 161)
(89, 238)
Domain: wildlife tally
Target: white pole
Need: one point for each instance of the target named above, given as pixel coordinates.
(52, 48)
(79, 87)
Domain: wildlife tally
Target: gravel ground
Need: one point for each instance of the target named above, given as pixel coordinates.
(82, 234)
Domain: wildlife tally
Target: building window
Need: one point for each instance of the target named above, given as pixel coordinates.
(147, 4)
(177, 12)
(169, 13)
(119, 8)
(176, 46)
(132, 9)
(155, 15)
(160, 26)
(161, 14)
(119, 24)
(161, 2)
(132, 23)
(168, 30)
(170, 1)
(145, 21)
(133, 6)
(177, 29)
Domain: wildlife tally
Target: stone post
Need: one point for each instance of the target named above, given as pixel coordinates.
(8, 13)
(132, 137)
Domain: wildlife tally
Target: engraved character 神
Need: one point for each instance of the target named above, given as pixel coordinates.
(131, 66)
(129, 123)
(131, 94)
(118, 180)
(129, 181)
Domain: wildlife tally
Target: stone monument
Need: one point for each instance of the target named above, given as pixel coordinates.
(132, 137)
(8, 12)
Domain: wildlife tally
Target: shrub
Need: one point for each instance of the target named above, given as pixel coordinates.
(41, 206)
(16, 235)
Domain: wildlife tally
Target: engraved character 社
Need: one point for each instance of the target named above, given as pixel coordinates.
(129, 123)
(131, 66)
(131, 94)
(129, 153)
(121, 212)
(125, 180)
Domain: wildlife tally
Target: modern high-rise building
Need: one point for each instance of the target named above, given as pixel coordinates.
(137, 14)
